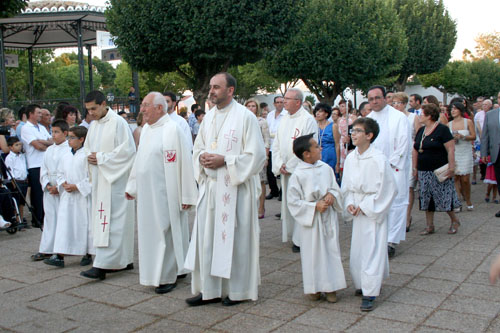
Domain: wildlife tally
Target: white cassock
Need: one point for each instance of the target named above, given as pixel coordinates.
(368, 183)
(185, 129)
(224, 249)
(112, 215)
(394, 141)
(73, 233)
(290, 128)
(162, 181)
(322, 269)
(48, 176)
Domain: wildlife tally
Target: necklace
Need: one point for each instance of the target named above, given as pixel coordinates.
(322, 132)
(213, 146)
(424, 135)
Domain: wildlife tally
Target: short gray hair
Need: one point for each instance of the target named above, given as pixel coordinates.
(488, 101)
(158, 99)
(298, 94)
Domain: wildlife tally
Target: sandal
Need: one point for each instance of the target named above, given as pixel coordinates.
(470, 208)
(454, 228)
(427, 231)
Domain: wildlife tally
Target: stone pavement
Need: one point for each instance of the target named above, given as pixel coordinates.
(437, 283)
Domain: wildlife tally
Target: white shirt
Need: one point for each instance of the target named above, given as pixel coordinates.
(273, 123)
(85, 124)
(30, 133)
(17, 166)
(183, 124)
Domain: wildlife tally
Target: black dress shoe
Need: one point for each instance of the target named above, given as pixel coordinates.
(165, 288)
(278, 215)
(182, 276)
(367, 303)
(391, 251)
(270, 196)
(497, 214)
(128, 268)
(358, 292)
(279, 197)
(228, 302)
(295, 249)
(198, 300)
(94, 273)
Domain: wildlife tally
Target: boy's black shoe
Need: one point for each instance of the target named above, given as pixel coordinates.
(86, 260)
(198, 300)
(165, 288)
(55, 260)
(94, 273)
(367, 303)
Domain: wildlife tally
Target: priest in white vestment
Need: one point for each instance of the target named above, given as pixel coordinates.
(228, 155)
(315, 202)
(368, 188)
(394, 142)
(110, 151)
(162, 181)
(171, 99)
(296, 123)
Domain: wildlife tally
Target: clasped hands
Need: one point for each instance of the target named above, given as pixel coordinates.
(355, 211)
(323, 204)
(69, 187)
(211, 161)
(52, 190)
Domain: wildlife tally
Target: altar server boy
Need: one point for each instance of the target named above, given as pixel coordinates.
(368, 188)
(73, 235)
(315, 202)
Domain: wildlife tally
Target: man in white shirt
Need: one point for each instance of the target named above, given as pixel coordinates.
(35, 140)
(481, 107)
(416, 103)
(273, 122)
(171, 100)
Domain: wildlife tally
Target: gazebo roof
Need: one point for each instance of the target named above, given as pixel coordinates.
(52, 24)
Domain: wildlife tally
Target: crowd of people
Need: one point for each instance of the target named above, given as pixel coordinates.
(91, 180)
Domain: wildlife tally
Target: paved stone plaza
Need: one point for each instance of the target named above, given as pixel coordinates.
(437, 283)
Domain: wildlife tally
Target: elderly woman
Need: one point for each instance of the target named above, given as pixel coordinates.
(464, 133)
(434, 147)
(6, 119)
(328, 136)
(253, 105)
(399, 102)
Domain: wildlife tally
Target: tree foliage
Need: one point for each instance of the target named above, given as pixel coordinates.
(163, 35)
(342, 43)
(253, 78)
(469, 79)
(10, 8)
(431, 35)
(488, 45)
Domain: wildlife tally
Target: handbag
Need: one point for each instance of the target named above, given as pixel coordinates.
(442, 173)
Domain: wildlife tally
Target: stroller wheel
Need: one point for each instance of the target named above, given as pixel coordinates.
(11, 230)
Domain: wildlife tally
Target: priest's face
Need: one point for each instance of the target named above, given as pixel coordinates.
(97, 111)
(292, 103)
(220, 94)
(150, 112)
(376, 99)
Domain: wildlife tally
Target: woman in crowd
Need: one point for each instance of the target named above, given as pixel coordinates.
(364, 109)
(464, 133)
(68, 113)
(335, 115)
(137, 132)
(6, 119)
(443, 119)
(328, 136)
(399, 102)
(253, 105)
(346, 119)
(434, 148)
(308, 106)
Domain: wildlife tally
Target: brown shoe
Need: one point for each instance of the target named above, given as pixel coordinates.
(331, 297)
(314, 297)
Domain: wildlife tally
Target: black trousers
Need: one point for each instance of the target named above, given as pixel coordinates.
(36, 195)
(271, 179)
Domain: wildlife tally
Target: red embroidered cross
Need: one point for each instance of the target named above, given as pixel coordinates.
(104, 224)
(226, 198)
(230, 139)
(296, 134)
(100, 211)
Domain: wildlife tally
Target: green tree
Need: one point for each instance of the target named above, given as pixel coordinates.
(342, 43)
(253, 78)
(11, 7)
(431, 34)
(164, 35)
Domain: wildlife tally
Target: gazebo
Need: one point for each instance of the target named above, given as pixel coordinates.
(50, 25)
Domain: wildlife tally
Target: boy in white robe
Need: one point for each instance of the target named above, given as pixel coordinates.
(368, 187)
(314, 199)
(73, 235)
(48, 180)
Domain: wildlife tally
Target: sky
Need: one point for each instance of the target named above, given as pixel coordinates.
(472, 18)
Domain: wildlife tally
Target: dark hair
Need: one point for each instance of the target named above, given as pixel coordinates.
(431, 110)
(121, 112)
(382, 88)
(11, 140)
(362, 106)
(67, 110)
(95, 96)
(62, 124)
(230, 80)
(323, 106)
(459, 106)
(59, 108)
(276, 97)
(31, 109)
(21, 111)
(302, 144)
(79, 131)
(369, 125)
(198, 113)
(194, 107)
(418, 98)
(263, 105)
(432, 99)
(171, 95)
(348, 103)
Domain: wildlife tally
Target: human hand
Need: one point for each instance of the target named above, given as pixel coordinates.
(283, 170)
(212, 161)
(329, 199)
(353, 210)
(337, 168)
(321, 206)
(484, 159)
(92, 158)
(69, 187)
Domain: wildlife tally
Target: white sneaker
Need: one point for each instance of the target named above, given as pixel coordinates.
(4, 224)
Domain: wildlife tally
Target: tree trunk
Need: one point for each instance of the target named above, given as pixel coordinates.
(400, 84)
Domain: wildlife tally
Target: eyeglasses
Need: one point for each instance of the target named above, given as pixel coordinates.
(357, 130)
(397, 103)
(378, 98)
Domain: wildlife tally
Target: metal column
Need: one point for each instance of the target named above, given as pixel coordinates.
(91, 72)
(135, 83)
(30, 66)
(81, 65)
(3, 75)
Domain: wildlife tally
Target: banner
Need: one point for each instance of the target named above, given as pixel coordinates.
(11, 60)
